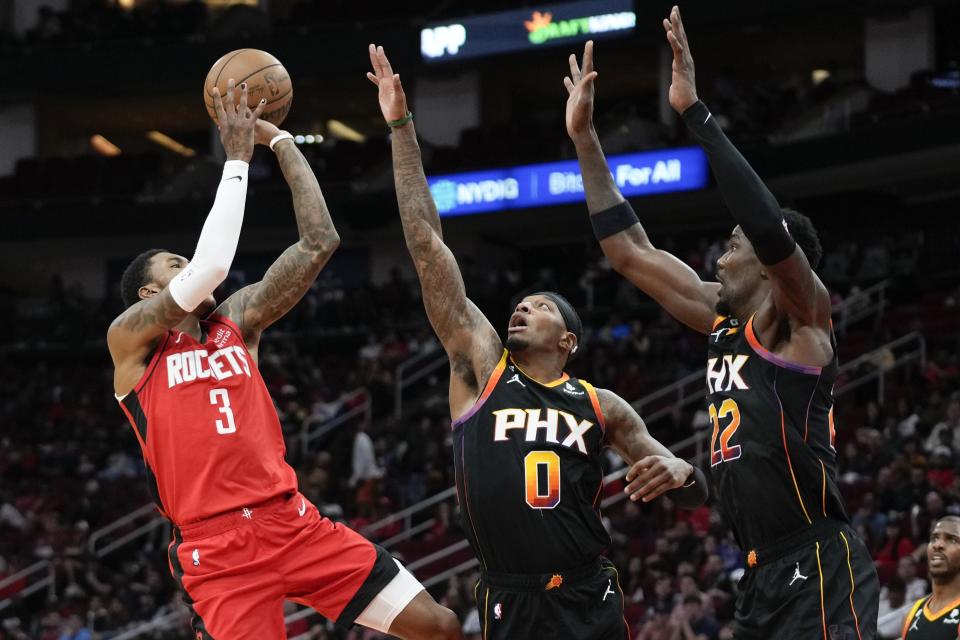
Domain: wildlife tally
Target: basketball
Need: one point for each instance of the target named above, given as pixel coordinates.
(265, 76)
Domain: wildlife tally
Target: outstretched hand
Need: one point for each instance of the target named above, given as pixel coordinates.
(393, 102)
(683, 87)
(579, 84)
(236, 122)
(655, 475)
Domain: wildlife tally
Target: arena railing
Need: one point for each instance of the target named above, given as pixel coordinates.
(412, 370)
(38, 576)
(162, 623)
(147, 513)
(315, 428)
(868, 303)
(406, 516)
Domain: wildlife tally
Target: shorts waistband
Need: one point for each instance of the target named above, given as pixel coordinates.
(232, 519)
(542, 581)
(817, 531)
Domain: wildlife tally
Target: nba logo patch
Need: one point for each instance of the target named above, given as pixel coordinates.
(498, 611)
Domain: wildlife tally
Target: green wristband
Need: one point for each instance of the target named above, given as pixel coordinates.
(393, 124)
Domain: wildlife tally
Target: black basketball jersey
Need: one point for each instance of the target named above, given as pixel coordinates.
(773, 464)
(923, 624)
(527, 460)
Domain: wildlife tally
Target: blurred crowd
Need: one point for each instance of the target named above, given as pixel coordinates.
(69, 464)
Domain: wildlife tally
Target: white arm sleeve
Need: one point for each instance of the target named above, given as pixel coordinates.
(218, 240)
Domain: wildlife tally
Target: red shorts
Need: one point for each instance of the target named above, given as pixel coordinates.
(236, 569)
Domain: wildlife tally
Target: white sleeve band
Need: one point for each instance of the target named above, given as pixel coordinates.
(283, 135)
(218, 240)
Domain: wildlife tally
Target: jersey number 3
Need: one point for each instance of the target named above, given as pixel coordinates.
(542, 479)
(221, 399)
(726, 451)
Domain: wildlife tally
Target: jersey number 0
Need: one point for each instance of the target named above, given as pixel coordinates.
(542, 479)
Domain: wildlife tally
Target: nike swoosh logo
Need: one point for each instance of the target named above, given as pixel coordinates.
(240, 178)
(303, 507)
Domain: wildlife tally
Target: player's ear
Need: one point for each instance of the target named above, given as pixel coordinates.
(146, 292)
(568, 342)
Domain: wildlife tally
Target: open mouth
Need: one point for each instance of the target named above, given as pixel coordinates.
(517, 323)
(937, 558)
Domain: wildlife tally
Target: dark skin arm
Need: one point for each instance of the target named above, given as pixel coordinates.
(662, 276)
(654, 469)
(257, 306)
(472, 344)
(134, 334)
(799, 299)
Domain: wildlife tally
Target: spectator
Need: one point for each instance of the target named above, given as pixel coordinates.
(949, 425)
(915, 587)
(689, 622)
(893, 599)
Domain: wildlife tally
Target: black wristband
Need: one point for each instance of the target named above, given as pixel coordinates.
(612, 221)
(694, 493)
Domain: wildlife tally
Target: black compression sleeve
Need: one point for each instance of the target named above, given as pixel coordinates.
(754, 208)
(694, 493)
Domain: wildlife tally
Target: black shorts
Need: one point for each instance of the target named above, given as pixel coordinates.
(823, 588)
(583, 604)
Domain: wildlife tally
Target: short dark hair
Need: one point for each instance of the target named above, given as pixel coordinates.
(135, 276)
(803, 231)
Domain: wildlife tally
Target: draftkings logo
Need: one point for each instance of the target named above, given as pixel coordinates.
(542, 28)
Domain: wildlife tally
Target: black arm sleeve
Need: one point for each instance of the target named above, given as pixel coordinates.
(754, 208)
(694, 493)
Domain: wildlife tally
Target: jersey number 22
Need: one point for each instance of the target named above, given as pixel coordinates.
(726, 451)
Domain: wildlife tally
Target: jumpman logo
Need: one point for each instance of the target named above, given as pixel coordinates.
(516, 378)
(609, 591)
(916, 621)
(797, 576)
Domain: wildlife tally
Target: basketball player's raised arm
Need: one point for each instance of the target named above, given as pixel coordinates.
(133, 334)
(654, 470)
(797, 291)
(257, 306)
(662, 276)
(467, 336)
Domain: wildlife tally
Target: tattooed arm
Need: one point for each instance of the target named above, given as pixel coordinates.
(166, 302)
(472, 344)
(654, 469)
(257, 306)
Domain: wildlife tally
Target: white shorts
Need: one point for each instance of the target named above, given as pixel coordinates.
(392, 599)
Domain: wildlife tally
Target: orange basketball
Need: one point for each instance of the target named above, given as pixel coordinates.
(265, 77)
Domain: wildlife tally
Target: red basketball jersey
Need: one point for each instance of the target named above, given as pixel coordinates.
(206, 424)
